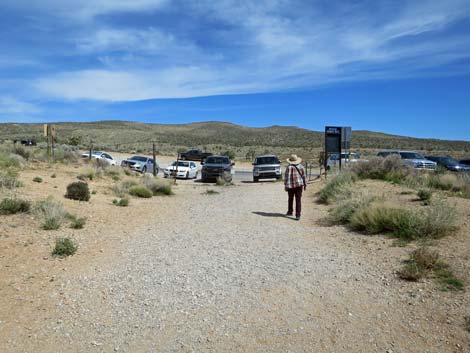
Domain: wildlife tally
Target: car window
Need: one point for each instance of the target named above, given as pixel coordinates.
(138, 158)
(107, 156)
(411, 155)
(193, 165)
(266, 160)
(217, 160)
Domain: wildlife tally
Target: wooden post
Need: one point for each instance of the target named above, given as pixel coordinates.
(49, 142)
(154, 160)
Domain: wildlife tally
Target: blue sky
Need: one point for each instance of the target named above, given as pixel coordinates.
(401, 67)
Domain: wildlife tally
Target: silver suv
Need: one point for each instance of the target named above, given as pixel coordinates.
(266, 166)
(412, 158)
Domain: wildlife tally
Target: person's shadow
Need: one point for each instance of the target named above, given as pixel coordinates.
(270, 214)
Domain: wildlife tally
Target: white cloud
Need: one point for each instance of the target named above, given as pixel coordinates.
(264, 45)
(14, 106)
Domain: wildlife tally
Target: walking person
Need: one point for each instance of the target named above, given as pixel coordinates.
(294, 183)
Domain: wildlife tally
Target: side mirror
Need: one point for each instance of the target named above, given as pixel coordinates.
(253, 163)
(233, 163)
(202, 163)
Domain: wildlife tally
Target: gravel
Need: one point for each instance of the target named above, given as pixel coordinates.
(212, 275)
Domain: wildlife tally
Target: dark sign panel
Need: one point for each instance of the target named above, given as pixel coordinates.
(332, 139)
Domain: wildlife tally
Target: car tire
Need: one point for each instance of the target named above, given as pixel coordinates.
(187, 175)
(144, 170)
(255, 179)
(195, 176)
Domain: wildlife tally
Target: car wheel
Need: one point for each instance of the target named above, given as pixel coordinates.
(187, 175)
(255, 179)
(144, 170)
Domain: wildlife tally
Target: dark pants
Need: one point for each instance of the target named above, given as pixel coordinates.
(297, 193)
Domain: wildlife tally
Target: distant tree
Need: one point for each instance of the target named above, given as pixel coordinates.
(229, 154)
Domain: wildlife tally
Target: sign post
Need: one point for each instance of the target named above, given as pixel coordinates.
(337, 140)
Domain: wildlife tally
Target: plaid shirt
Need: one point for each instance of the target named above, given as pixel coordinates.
(292, 178)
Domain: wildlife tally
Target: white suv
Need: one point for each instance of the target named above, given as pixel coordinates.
(266, 166)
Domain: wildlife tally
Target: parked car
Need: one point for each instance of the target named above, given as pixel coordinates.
(140, 163)
(181, 169)
(465, 161)
(449, 163)
(100, 155)
(412, 158)
(194, 155)
(215, 167)
(333, 159)
(266, 167)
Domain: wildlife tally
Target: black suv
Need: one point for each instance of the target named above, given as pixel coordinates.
(215, 167)
(449, 163)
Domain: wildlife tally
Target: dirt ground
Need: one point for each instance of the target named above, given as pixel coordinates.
(219, 273)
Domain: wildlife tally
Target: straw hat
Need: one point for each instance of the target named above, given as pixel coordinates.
(293, 159)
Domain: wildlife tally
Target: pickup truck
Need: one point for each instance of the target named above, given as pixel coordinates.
(194, 155)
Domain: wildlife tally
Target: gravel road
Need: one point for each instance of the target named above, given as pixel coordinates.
(228, 273)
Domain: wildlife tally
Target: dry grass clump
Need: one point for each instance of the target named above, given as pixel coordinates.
(372, 216)
(121, 202)
(157, 186)
(425, 195)
(335, 187)
(423, 262)
(76, 222)
(52, 212)
(392, 168)
(122, 189)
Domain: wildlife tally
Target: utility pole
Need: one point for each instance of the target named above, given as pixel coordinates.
(154, 152)
(91, 150)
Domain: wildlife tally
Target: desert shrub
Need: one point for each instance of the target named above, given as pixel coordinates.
(338, 185)
(64, 247)
(13, 205)
(66, 154)
(37, 179)
(421, 261)
(158, 187)
(8, 160)
(21, 151)
(9, 180)
(425, 196)
(53, 176)
(78, 191)
(442, 182)
(435, 221)
(121, 189)
(392, 168)
(438, 220)
(52, 212)
(122, 202)
(140, 191)
(76, 222)
(343, 212)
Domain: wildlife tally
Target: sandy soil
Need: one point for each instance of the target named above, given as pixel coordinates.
(224, 272)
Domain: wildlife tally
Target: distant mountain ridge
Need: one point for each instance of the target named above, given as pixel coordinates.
(121, 133)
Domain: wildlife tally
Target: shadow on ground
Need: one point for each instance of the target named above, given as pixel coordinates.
(270, 214)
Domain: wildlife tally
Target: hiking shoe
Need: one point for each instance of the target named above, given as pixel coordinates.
(297, 218)
(289, 214)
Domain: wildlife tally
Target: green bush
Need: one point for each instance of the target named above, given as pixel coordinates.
(140, 191)
(76, 222)
(343, 212)
(122, 202)
(421, 261)
(64, 247)
(336, 186)
(78, 191)
(8, 179)
(37, 179)
(425, 195)
(13, 205)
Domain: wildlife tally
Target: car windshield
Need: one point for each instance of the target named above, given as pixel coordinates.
(96, 153)
(266, 160)
(217, 160)
(138, 158)
(180, 164)
(411, 155)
